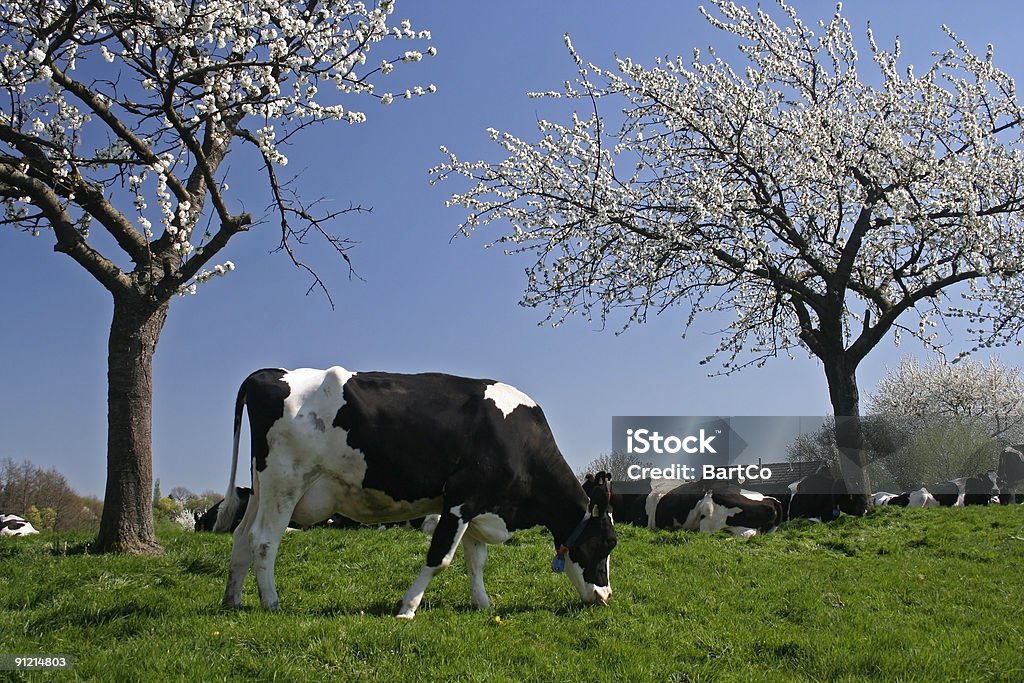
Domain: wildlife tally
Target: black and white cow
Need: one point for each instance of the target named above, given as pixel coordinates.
(1011, 470)
(382, 447)
(205, 521)
(710, 506)
(981, 489)
(885, 498)
(820, 496)
(918, 498)
(13, 525)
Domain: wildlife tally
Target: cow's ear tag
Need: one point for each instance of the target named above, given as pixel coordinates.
(558, 563)
(595, 511)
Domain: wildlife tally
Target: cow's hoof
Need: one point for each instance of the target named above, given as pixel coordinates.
(406, 615)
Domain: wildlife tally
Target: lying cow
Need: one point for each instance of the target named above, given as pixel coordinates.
(13, 525)
(885, 498)
(711, 506)
(919, 498)
(383, 447)
(982, 489)
(821, 497)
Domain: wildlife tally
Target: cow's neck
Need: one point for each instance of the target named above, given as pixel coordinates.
(563, 519)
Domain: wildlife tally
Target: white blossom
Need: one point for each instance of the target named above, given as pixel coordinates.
(181, 78)
(792, 194)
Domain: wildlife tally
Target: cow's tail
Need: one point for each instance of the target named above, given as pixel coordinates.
(226, 514)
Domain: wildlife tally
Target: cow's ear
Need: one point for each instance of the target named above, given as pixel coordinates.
(598, 498)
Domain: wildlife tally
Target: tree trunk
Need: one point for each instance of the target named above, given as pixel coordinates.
(127, 522)
(841, 375)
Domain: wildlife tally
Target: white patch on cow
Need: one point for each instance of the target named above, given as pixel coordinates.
(488, 528)
(651, 507)
(882, 498)
(507, 398)
(741, 531)
(713, 516)
(24, 527)
(589, 592)
(921, 498)
(430, 523)
(752, 495)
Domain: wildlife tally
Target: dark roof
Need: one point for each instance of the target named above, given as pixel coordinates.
(784, 474)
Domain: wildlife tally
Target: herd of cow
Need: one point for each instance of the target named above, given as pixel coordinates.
(711, 506)
(478, 457)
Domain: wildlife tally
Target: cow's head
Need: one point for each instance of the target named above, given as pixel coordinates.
(587, 563)
(850, 503)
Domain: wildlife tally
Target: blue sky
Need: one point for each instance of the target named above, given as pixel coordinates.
(425, 302)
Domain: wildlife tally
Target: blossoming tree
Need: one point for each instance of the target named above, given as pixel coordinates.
(821, 210)
(117, 117)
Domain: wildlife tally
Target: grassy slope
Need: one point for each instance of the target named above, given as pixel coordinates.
(903, 595)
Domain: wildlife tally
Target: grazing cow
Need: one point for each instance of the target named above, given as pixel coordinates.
(383, 447)
(821, 497)
(710, 506)
(13, 525)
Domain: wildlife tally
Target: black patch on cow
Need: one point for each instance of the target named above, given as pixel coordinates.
(13, 522)
(264, 392)
(823, 496)
(902, 500)
(417, 431)
(978, 491)
(947, 493)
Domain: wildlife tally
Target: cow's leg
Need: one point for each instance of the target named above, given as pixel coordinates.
(241, 556)
(449, 532)
(275, 504)
(476, 556)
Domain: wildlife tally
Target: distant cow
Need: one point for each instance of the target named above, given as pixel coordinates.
(206, 520)
(884, 498)
(981, 489)
(821, 496)
(918, 498)
(383, 447)
(631, 507)
(1011, 470)
(13, 525)
(710, 506)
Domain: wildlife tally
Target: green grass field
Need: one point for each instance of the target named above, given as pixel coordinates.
(903, 595)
